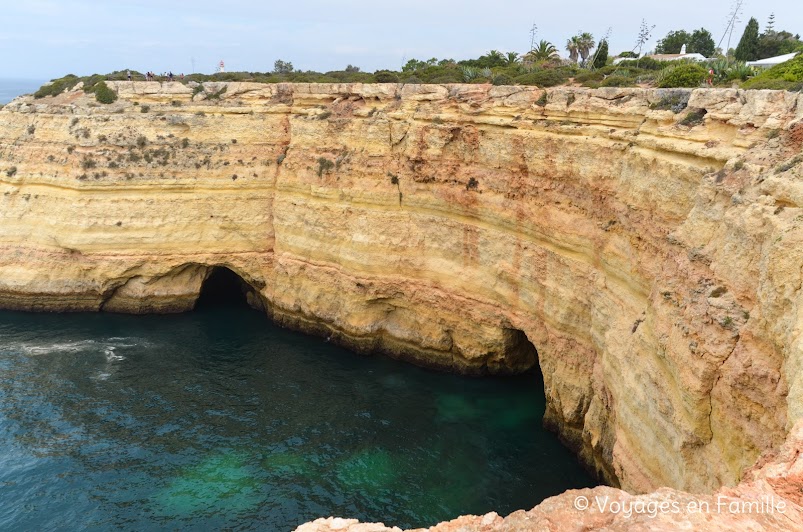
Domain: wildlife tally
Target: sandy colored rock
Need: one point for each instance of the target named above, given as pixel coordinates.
(656, 267)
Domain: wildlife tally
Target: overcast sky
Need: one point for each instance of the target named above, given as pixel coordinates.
(42, 39)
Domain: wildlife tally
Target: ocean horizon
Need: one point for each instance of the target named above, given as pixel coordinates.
(10, 88)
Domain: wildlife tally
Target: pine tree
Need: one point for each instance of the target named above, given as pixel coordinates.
(601, 57)
(747, 50)
(770, 24)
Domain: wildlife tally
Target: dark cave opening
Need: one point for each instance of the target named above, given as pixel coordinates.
(224, 288)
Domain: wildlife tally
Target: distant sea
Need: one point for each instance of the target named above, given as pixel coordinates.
(11, 88)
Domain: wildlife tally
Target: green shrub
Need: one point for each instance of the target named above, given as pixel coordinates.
(104, 94)
(675, 102)
(788, 165)
(450, 78)
(791, 72)
(217, 95)
(694, 118)
(618, 81)
(645, 63)
(144, 108)
(56, 87)
(774, 84)
(386, 76)
(544, 77)
(324, 165)
(683, 75)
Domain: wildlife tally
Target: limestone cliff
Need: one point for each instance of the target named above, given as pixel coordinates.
(653, 258)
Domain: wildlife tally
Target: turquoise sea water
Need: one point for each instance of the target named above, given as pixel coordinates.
(218, 419)
(11, 88)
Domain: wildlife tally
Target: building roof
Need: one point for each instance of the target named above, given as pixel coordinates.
(675, 57)
(772, 61)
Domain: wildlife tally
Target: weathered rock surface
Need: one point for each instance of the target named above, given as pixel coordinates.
(655, 266)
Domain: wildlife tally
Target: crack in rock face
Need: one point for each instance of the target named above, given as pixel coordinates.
(649, 262)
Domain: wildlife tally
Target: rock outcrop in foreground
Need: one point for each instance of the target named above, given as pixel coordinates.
(647, 243)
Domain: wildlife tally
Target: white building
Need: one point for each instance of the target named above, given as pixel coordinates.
(679, 57)
(772, 61)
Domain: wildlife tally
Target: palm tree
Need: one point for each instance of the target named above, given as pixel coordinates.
(585, 43)
(543, 51)
(512, 58)
(573, 47)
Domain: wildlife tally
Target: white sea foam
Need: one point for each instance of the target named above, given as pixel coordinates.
(108, 347)
(60, 347)
(111, 356)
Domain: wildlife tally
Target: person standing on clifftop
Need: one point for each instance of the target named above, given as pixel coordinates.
(128, 73)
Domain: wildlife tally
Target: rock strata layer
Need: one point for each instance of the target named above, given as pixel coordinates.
(652, 257)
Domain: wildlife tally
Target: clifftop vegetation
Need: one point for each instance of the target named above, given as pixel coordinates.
(588, 65)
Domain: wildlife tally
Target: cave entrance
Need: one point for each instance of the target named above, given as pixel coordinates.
(519, 355)
(224, 288)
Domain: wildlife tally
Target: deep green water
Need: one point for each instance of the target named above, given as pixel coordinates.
(217, 419)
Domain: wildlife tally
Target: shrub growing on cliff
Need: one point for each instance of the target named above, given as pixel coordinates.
(56, 87)
(694, 118)
(675, 102)
(11, 171)
(217, 95)
(788, 75)
(544, 77)
(684, 75)
(324, 165)
(618, 81)
(386, 76)
(104, 94)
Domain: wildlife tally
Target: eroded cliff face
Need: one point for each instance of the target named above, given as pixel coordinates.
(655, 266)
